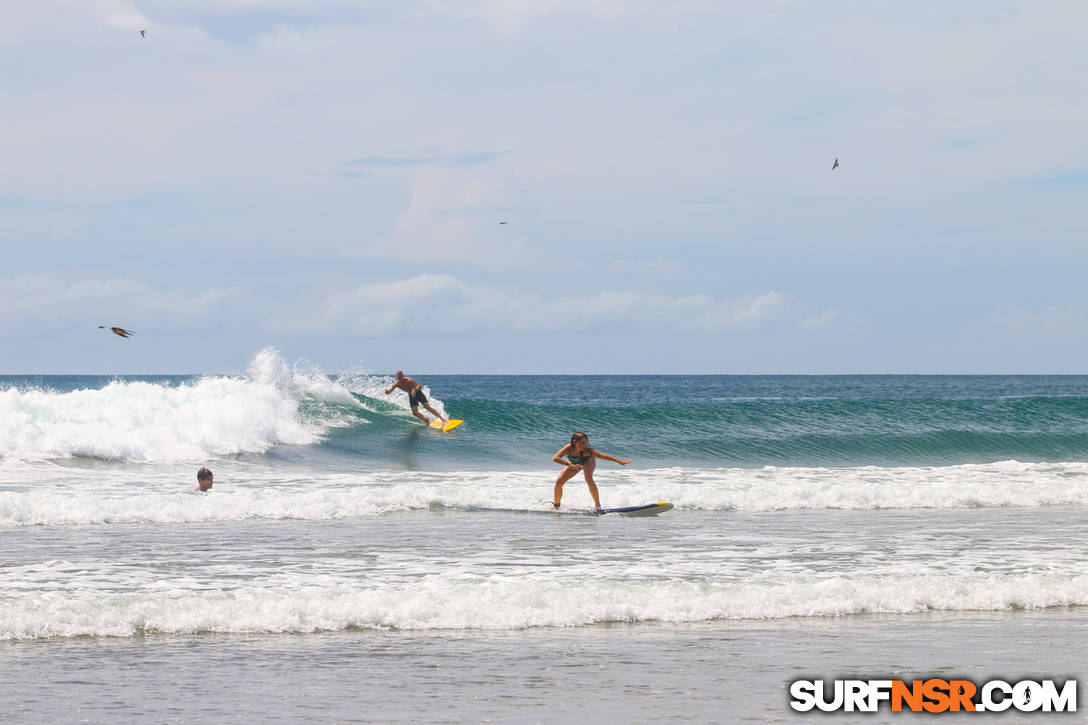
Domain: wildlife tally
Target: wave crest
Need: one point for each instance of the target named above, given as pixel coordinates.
(162, 423)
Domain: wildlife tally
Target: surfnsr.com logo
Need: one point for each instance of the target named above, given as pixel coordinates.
(933, 695)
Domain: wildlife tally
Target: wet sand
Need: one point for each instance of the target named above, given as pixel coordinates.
(736, 671)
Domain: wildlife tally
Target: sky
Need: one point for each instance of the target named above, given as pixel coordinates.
(328, 178)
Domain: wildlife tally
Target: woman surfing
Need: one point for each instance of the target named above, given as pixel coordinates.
(580, 457)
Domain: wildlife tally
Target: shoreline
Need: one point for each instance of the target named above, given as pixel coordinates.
(732, 670)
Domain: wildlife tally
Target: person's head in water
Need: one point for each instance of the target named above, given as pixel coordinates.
(579, 441)
(204, 479)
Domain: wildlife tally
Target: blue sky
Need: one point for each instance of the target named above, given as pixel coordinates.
(328, 177)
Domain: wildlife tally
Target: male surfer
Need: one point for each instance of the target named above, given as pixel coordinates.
(204, 480)
(416, 397)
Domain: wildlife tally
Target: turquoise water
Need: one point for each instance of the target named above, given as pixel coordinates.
(795, 421)
(515, 422)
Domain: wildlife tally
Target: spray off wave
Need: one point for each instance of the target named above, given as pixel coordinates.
(193, 420)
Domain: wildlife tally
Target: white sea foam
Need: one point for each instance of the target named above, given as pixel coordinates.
(1006, 483)
(37, 495)
(460, 600)
(193, 421)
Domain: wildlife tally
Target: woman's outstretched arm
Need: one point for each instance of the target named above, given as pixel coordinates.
(605, 456)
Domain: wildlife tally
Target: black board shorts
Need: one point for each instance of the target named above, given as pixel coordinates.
(417, 398)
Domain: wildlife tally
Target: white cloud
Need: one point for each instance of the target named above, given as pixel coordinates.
(41, 301)
(118, 14)
(820, 321)
(442, 304)
(452, 218)
(188, 111)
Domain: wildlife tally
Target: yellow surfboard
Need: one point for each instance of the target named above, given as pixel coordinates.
(450, 424)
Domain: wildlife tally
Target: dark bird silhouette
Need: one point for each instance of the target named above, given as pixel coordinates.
(117, 331)
(836, 164)
(502, 222)
(143, 33)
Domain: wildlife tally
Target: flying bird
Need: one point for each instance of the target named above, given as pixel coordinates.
(117, 331)
(143, 33)
(836, 164)
(502, 222)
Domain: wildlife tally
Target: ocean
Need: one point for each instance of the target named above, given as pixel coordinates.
(351, 565)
